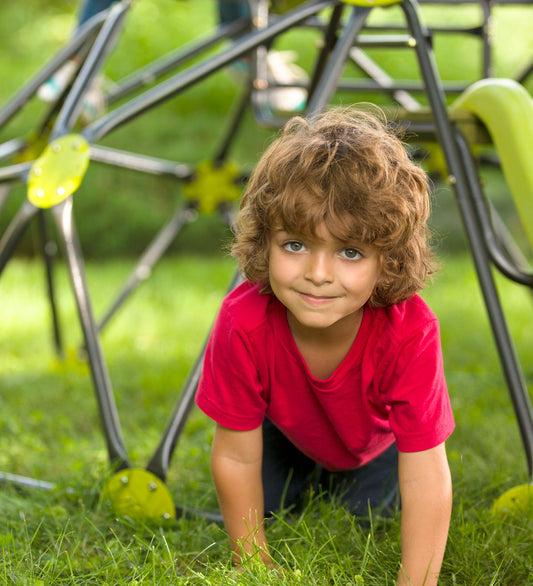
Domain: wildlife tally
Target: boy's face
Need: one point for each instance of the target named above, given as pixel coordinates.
(323, 283)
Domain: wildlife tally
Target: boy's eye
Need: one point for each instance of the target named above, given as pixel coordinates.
(294, 246)
(351, 253)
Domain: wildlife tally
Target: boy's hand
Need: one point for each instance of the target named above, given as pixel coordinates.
(426, 492)
(236, 460)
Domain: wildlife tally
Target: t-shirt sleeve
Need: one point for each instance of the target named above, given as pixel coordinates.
(230, 391)
(420, 411)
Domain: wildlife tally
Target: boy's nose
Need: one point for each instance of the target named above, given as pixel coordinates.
(319, 269)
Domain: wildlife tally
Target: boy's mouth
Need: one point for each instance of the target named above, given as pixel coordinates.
(316, 299)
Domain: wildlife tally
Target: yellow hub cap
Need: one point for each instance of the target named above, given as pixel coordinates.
(58, 172)
(517, 500)
(139, 494)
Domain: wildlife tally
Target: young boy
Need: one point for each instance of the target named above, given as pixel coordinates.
(325, 364)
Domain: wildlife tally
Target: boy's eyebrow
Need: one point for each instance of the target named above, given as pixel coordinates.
(284, 231)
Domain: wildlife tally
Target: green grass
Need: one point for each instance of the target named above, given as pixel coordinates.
(49, 429)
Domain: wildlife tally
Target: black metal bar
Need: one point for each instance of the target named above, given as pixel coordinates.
(448, 139)
(108, 413)
(12, 147)
(330, 39)
(371, 85)
(472, 30)
(103, 43)
(153, 253)
(25, 482)
(434, 90)
(188, 513)
(15, 231)
(497, 254)
(486, 40)
(142, 163)
(5, 189)
(48, 250)
(235, 123)
(18, 171)
(476, 233)
(508, 243)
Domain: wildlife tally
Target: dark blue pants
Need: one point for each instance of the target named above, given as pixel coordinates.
(231, 10)
(287, 473)
(91, 7)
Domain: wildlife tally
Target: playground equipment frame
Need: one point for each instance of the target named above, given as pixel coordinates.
(96, 39)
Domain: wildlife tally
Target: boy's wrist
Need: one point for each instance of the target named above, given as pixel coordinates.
(250, 555)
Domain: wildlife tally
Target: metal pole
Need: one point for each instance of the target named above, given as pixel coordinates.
(102, 384)
(458, 177)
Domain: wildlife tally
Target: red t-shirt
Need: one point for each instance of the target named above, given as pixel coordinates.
(389, 387)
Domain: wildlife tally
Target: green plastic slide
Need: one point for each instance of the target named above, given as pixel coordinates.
(506, 110)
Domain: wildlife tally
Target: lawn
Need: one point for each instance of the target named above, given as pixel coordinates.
(49, 422)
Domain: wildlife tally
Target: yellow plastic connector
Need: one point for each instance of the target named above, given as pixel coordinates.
(59, 171)
(212, 186)
(516, 501)
(34, 147)
(140, 495)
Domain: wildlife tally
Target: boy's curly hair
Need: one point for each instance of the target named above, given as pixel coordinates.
(345, 169)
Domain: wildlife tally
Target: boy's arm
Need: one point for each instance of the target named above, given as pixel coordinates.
(426, 493)
(236, 460)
